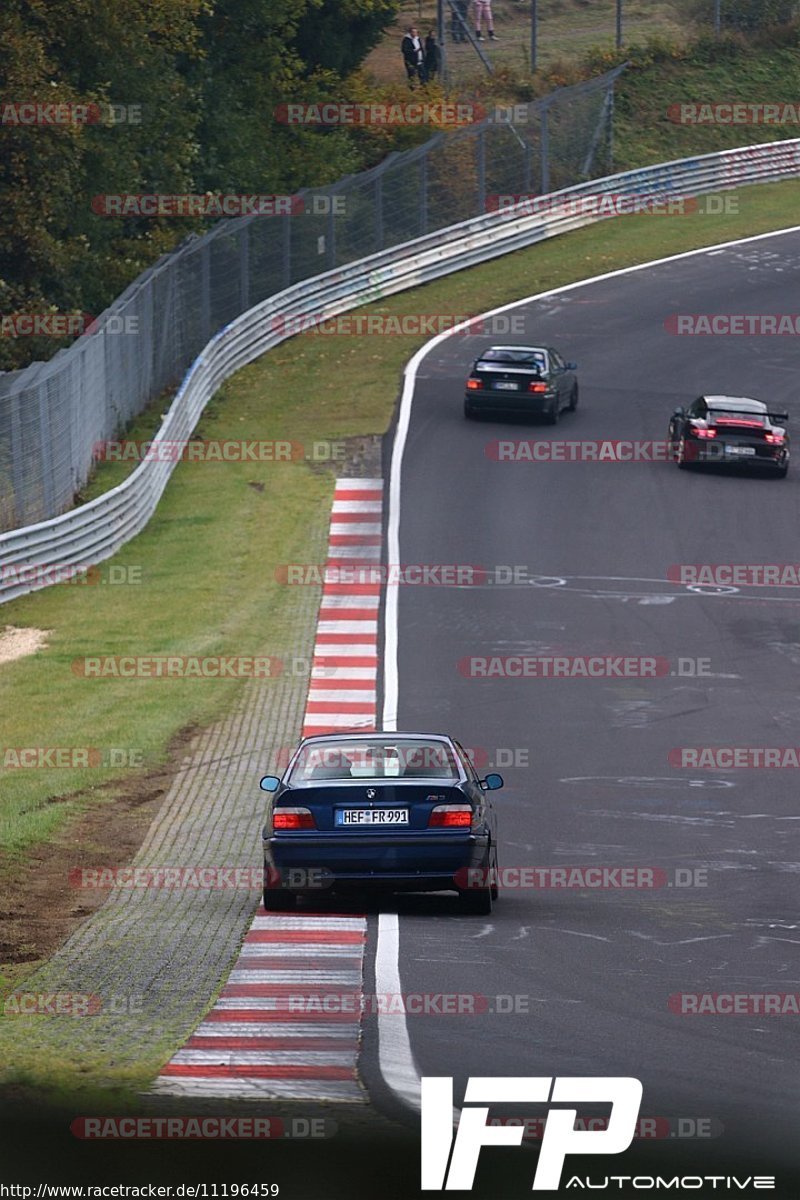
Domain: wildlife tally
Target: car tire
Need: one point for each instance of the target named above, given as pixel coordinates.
(573, 403)
(477, 901)
(782, 472)
(470, 412)
(279, 900)
(551, 417)
(495, 889)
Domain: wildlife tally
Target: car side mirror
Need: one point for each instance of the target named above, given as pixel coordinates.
(270, 783)
(571, 366)
(492, 782)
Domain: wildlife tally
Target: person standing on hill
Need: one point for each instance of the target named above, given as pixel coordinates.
(433, 56)
(458, 20)
(483, 12)
(413, 56)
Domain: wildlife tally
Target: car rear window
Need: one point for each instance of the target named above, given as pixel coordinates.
(375, 759)
(517, 358)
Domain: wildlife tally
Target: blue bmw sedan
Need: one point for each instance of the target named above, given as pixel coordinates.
(380, 811)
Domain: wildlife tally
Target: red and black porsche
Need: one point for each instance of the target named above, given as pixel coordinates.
(730, 430)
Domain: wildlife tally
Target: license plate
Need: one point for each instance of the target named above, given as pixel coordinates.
(371, 816)
(739, 450)
(503, 386)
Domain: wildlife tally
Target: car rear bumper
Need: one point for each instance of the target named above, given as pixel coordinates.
(728, 454)
(422, 861)
(517, 402)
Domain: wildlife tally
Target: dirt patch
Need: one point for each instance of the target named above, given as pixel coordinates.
(18, 643)
(39, 908)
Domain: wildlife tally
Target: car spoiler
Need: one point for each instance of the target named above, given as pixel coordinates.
(737, 412)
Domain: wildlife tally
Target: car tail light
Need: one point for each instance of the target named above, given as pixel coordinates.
(773, 437)
(450, 816)
(473, 384)
(705, 433)
(293, 818)
(537, 387)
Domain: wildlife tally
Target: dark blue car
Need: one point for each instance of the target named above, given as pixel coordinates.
(371, 811)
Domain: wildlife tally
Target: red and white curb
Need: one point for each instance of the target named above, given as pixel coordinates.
(345, 666)
(286, 1025)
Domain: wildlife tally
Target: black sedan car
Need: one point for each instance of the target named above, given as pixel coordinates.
(372, 811)
(523, 381)
(730, 430)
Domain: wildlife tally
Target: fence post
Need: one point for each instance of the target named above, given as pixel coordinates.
(482, 171)
(717, 18)
(534, 34)
(287, 250)
(544, 148)
(244, 266)
(379, 212)
(423, 195)
(205, 289)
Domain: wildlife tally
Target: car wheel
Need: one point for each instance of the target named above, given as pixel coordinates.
(573, 403)
(477, 901)
(783, 471)
(470, 412)
(495, 889)
(553, 414)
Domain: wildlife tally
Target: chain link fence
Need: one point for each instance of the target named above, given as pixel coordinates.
(54, 414)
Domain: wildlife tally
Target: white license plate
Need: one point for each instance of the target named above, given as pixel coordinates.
(371, 816)
(739, 450)
(503, 386)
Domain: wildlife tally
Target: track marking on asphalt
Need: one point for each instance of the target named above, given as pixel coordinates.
(395, 1056)
(287, 1023)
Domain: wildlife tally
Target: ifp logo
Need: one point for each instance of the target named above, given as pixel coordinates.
(560, 1137)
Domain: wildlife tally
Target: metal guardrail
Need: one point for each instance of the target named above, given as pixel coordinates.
(30, 558)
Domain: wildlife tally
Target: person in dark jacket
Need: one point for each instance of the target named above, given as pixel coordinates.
(457, 27)
(413, 56)
(433, 56)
